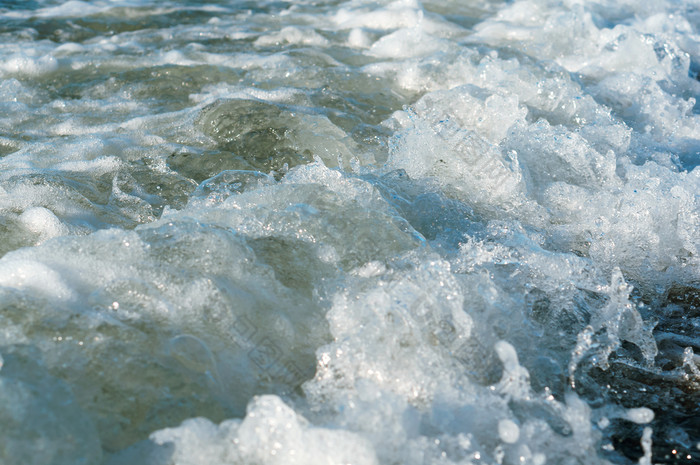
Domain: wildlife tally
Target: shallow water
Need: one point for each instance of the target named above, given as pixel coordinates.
(329, 232)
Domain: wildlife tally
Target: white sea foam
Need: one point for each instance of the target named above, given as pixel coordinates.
(293, 36)
(271, 433)
(28, 65)
(361, 232)
(43, 222)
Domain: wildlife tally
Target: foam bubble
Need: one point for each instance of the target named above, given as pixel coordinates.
(29, 274)
(71, 8)
(271, 433)
(400, 13)
(646, 446)
(43, 222)
(404, 43)
(508, 431)
(358, 38)
(28, 65)
(641, 415)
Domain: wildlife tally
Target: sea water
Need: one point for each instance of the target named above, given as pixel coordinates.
(349, 232)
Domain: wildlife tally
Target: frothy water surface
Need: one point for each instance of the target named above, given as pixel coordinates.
(349, 232)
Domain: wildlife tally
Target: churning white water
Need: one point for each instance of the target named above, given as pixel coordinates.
(349, 232)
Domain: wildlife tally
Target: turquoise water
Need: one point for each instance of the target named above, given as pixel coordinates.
(349, 232)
